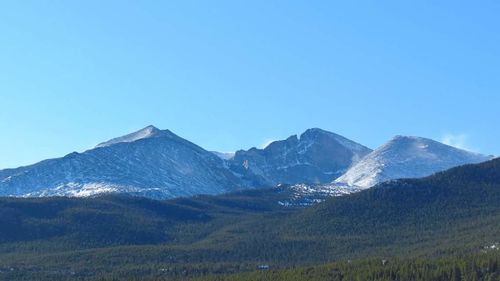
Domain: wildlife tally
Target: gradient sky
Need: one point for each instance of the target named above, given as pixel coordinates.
(236, 74)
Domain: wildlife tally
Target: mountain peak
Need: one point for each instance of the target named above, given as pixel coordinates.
(411, 139)
(149, 162)
(318, 156)
(144, 133)
(150, 128)
(402, 137)
(317, 132)
(407, 157)
(314, 134)
(421, 143)
(403, 141)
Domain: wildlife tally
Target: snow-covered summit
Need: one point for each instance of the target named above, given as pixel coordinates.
(406, 157)
(147, 132)
(150, 162)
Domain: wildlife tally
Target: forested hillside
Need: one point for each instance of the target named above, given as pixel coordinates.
(482, 266)
(452, 213)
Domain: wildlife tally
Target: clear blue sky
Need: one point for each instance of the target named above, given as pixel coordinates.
(236, 74)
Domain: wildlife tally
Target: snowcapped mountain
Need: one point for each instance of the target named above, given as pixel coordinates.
(150, 162)
(318, 156)
(406, 157)
(159, 164)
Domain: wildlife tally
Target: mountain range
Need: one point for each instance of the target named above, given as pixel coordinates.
(158, 164)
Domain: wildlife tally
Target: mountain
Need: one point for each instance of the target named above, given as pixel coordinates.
(406, 157)
(450, 213)
(150, 162)
(159, 164)
(318, 156)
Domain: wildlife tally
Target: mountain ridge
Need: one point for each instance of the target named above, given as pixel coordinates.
(159, 164)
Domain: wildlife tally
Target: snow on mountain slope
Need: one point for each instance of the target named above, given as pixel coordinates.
(224, 155)
(307, 195)
(406, 157)
(147, 132)
(159, 164)
(151, 162)
(318, 156)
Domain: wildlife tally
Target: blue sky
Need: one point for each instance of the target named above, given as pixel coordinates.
(236, 74)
